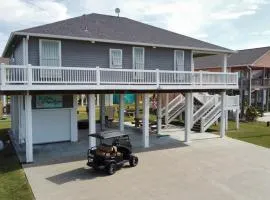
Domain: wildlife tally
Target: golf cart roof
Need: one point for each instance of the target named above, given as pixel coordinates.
(108, 134)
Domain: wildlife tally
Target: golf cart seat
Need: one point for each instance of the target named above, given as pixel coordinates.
(107, 150)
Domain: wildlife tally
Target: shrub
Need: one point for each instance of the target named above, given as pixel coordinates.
(251, 113)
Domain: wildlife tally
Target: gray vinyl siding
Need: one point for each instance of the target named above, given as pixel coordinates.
(87, 54)
(159, 58)
(18, 54)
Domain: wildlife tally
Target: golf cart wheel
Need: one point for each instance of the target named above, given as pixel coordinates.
(111, 168)
(133, 161)
(95, 167)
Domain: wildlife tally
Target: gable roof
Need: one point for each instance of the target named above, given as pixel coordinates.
(242, 58)
(105, 28)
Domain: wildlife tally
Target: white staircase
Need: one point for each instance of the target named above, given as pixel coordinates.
(207, 113)
(203, 111)
(214, 112)
(175, 108)
(211, 117)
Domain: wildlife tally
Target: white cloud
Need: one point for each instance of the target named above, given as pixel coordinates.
(32, 12)
(261, 33)
(237, 10)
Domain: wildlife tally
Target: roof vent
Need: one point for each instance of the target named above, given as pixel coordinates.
(117, 11)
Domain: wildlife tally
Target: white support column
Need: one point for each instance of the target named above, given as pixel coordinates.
(109, 99)
(28, 126)
(137, 106)
(97, 99)
(187, 117)
(121, 112)
(146, 120)
(223, 102)
(21, 115)
(73, 121)
(159, 117)
(237, 119)
(167, 109)
(102, 111)
(92, 119)
(82, 99)
(191, 109)
(12, 113)
(223, 115)
(4, 100)
(227, 120)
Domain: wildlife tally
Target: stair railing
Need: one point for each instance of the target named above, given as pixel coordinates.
(209, 116)
(205, 108)
(172, 104)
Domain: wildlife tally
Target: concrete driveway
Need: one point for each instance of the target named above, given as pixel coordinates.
(206, 169)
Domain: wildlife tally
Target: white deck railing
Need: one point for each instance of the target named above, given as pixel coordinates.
(43, 75)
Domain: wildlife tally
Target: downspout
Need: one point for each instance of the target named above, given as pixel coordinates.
(250, 85)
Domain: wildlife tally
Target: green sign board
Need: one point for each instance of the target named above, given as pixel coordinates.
(49, 101)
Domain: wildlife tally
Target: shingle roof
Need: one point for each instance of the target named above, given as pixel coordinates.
(112, 28)
(242, 58)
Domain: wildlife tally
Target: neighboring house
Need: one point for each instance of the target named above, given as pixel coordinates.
(253, 66)
(99, 54)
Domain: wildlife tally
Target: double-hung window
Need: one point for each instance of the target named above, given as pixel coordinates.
(179, 60)
(115, 58)
(50, 55)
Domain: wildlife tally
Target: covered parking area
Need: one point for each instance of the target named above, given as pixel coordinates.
(172, 137)
(30, 151)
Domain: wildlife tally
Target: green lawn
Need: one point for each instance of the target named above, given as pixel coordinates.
(253, 132)
(13, 183)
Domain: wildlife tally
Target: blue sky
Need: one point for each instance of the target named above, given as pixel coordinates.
(235, 24)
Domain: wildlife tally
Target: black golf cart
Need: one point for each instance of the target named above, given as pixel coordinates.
(113, 151)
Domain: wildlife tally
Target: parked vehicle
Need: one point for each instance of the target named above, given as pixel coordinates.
(110, 157)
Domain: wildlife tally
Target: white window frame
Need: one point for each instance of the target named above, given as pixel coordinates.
(60, 50)
(133, 57)
(179, 77)
(45, 73)
(121, 53)
(183, 59)
(138, 75)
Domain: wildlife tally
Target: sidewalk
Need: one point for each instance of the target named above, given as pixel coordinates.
(265, 118)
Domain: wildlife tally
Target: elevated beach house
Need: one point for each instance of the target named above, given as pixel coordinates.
(99, 54)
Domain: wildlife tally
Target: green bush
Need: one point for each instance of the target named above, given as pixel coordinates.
(251, 113)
